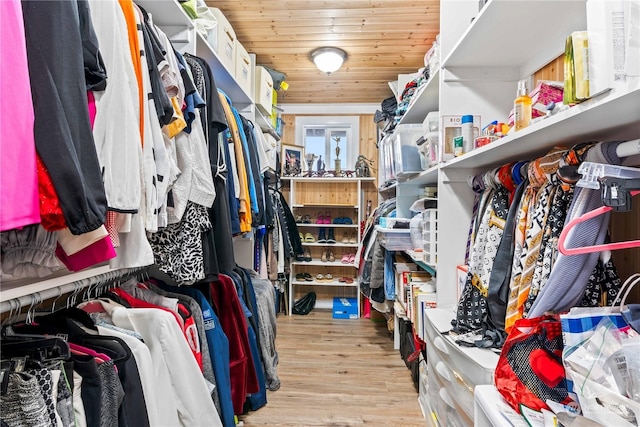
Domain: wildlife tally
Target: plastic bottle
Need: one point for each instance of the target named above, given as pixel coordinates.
(522, 107)
(467, 133)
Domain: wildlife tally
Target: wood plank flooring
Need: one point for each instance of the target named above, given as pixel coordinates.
(338, 373)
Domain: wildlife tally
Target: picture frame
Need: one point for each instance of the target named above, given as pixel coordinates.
(292, 160)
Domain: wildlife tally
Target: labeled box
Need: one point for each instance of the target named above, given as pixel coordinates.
(345, 308)
(451, 126)
(243, 70)
(223, 40)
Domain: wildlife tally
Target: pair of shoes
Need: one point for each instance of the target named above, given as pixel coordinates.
(331, 238)
(343, 220)
(308, 238)
(306, 219)
(324, 219)
(327, 256)
(347, 280)
(304, 277)
(324, 278)
(348, 258)
(307, 256)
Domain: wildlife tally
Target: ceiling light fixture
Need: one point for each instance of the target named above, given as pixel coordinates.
(328, 59)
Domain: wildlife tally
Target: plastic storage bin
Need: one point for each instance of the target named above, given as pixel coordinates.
(407, 156)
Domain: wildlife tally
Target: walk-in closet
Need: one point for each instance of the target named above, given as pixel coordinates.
(319, 213)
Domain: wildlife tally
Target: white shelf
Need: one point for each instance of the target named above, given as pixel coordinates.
(429, 176)
(616, 114)
(423, 102)
(335, 245)
(327, 205)
(501, 34)
(17, 288)
(491, 410)
(335, 283)
(169, 13)
(336, 263)
(417, 258)
(327, 225)
(265, 124)
(327, 179)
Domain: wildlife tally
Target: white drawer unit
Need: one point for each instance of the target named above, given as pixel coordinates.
(223, 40)
(243, 70)
(263, 90)
(456, 370)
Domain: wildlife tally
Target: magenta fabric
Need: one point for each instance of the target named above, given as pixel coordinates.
(18, 174)
(96, 253)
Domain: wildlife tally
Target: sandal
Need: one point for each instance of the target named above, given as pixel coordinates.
(300, 277)
(320, 219)
(345, 259)
(327, 218)
(309, 238)
(352, 258)
(348, 280)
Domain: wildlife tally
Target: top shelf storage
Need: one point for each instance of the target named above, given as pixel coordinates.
(426, 101)
(169, 14)
(504, 34)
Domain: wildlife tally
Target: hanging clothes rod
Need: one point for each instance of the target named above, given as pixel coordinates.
(74, 286)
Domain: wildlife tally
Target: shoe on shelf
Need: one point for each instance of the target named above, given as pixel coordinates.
(345, 258)
(338, 220)
(328, 278)
(346, 220)
(345, 238)
(300, 257)
(320, 278)
(308, 238)
(353, 238)
(322, 238)
(300, 277)
(307, 277)
(327, 218)
(330, 256)
(324, 256)
(320, 219)
(301, 237)
(348, 280)
(306, 219)
(352, 258)
(331, 238)
(298, 219)
(307, 256)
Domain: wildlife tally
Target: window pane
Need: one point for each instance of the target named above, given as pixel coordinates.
(315, 142)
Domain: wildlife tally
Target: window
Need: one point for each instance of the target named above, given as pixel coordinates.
(321, 136)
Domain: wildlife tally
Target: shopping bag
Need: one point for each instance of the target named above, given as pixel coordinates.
(579, 323)
(530, 369)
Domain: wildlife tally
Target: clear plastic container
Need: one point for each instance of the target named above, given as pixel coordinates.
(407, 155)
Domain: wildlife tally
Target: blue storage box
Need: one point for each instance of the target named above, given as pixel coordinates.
(345, 308)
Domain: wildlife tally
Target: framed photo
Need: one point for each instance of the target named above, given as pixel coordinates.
(292, 158)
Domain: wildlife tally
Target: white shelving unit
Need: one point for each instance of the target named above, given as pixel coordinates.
(340, 197)
(484, 53)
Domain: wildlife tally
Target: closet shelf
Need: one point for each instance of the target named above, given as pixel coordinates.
(328, 225)
(337, 263)
(417, 258)
(477, 46)
(428, 176)
(324, 205)
(612, 115)
(265, 124)
(327, 179)
(335, 245)
(424, 102)
(335, 283)
(174, 16)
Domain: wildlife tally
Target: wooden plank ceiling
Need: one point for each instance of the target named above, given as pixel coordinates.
(383, 38)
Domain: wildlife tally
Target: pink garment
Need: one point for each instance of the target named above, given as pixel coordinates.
(18, 174)
(96, 253)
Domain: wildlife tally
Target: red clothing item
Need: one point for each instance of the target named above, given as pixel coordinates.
(51, 216)
(225, 301)
(184, 318)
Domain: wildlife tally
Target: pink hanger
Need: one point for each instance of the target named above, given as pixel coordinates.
(596, 248)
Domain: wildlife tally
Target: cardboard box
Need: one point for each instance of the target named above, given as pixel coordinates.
(345, 308)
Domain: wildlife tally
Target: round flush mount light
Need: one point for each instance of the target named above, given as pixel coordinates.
(328, 59)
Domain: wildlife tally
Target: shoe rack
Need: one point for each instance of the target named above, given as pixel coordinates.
(328, 213)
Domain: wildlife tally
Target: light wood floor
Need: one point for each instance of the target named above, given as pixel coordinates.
(338, 373)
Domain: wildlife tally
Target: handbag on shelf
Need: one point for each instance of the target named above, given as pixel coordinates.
(530, 369)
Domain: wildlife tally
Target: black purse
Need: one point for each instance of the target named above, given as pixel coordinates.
(305, 304)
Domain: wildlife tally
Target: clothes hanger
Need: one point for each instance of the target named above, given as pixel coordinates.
(595, 248)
